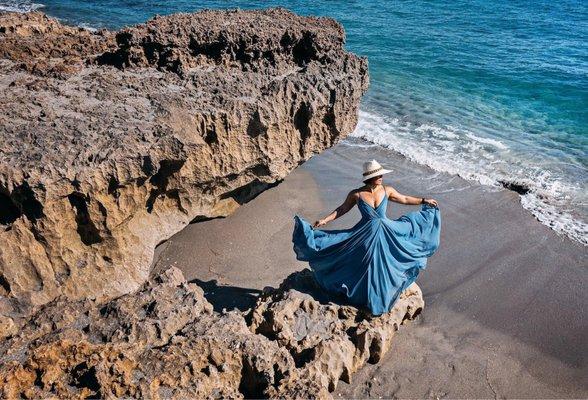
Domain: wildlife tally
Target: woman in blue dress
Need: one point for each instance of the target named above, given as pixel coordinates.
(371, 263)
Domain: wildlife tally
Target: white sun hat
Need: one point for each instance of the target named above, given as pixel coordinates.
(373, 168)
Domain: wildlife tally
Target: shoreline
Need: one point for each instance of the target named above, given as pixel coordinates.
(546, 197)
(502, 293)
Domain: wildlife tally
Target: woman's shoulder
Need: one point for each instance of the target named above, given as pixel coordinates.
(391, 191)
(354, 193)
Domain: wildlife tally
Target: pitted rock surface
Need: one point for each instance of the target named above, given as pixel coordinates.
(328, 341)
(110, 142)
(165, 341)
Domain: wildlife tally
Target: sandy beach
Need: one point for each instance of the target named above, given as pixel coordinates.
(505, 312)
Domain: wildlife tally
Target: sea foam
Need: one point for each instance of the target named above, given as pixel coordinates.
(549, 196)
(20, 6)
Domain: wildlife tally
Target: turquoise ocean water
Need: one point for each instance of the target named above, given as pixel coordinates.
(492, 91)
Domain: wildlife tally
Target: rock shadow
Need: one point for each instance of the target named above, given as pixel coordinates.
(228, 297)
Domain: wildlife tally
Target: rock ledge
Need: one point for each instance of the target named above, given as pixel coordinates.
(111, 142)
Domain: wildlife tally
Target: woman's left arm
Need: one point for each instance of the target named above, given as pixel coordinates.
(397, 197)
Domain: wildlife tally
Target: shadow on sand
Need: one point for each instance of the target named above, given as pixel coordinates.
(230, 297)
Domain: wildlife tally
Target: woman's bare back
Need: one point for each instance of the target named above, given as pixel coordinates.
(365, 194)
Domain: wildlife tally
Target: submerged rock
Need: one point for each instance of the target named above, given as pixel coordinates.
(165, 341)
(110, 142)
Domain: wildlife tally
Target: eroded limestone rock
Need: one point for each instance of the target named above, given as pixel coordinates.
(110, 142)
(328, 341)
(162, 341)
(165, 341)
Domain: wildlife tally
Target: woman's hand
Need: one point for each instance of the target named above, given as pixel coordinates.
(318, 223)
(432, 202)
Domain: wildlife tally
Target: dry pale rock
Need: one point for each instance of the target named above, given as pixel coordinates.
(110, 142)
(163, 341)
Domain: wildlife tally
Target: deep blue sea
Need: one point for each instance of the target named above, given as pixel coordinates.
(492, 91)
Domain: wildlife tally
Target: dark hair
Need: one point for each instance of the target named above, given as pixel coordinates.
(372, 178)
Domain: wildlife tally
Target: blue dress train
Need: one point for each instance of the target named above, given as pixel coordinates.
(371, 263)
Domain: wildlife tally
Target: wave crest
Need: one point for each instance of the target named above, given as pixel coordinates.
(20, 6)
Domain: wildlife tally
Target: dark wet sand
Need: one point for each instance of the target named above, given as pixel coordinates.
(505, 297)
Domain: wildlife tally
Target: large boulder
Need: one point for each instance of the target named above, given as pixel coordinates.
(110, 142)
(328, 340)
(159, 342)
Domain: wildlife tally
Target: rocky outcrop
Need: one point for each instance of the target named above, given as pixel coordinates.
(110, 142)
(165, 341)
(328, 341)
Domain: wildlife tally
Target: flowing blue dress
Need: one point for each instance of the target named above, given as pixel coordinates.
(371, 263)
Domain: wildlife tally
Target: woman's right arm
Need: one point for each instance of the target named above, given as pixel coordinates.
(347, 205)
